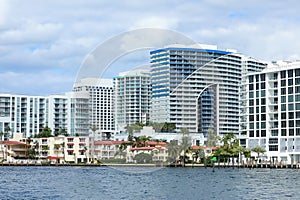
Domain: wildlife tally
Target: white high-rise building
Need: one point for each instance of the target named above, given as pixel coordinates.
(30, 114)
(272, 114)
(101, 104)
(132, 98)
(197, 87)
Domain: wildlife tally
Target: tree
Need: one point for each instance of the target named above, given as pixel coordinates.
(94, 129)
(259, 150)
(173, 151)
(28, 144)
(121, 148)
(143, 158)
(185, 144)
(46, 132)
(212, 139)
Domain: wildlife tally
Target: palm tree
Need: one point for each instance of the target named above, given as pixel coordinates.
(94, 129)
(185, 144)
(173, 151)
(28, 141)
(1, 135)
(259, 150)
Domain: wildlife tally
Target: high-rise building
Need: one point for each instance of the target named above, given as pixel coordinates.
(197, 87)
(101, 104)
(272, 119)
(30, 114)
(132, 98)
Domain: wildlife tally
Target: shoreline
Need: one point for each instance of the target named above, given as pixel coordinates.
(266, 166)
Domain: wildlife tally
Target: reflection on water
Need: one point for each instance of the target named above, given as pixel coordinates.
(164, 183)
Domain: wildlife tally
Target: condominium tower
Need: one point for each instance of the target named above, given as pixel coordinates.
(197, 87)
(272, 119)
(132, 98)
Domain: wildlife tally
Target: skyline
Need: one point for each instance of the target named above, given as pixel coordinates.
(43, 44)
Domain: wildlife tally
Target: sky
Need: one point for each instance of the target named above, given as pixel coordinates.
(44, 43)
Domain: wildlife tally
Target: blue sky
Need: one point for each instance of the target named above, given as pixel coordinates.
(43, 43)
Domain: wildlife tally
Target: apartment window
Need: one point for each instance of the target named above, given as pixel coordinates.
(251, 95)
(297, 97)
(283, 99)
(283, 82)
(263, 117)
(251, 87)
(297, 123)
(298, 131)
(290, 82)
(250, 79)
(291, 123)
(297, 81)
(283, 132)
(263, 109)
(290, 73)
(282, 74)
(251, 102)
(283, 124)
(263, 101)
(251, 118)
(257, 101)
(297, 89)
(290, 98)
(257, 133)
(273, 147)
(291, 115)
(290, 90)
(283, 106)
(283, 115)
(263, 124)
(263, 93)
(251, 134)
(262, 77)
(257, 93)
(297, 106)
(257, 109)
(291, 106)
(291, 132)
(263, 133)
(297, 114)
(283, 91)
(263, 85)
(251, 110)
(297, 72)
(251, 125)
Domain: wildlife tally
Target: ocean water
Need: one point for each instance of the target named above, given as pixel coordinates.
(145, 183)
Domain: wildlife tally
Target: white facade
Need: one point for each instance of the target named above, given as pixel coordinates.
(273, 112)
(101, 104)
(132, 98)
(196, 88)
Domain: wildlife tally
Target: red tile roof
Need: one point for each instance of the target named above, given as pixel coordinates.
(12, 143)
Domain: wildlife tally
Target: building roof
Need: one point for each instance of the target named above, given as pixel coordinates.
(108, 142)
(12, 143)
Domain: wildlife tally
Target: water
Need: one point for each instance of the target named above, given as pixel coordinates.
(165, 183)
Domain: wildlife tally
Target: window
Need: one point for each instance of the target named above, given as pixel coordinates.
(283, 107)
(291, 98)
(283, 99)
(251, 125)
(263, 85)
(263, 124)
(291, 115)
(290, 73)
(262, 77)
(283, 132)
(297, 81)
(283, 124)
(297, 72)
(297, 131)
(251, 110)
(283, 82)
(291, 132)
(251, 134)
(290, 82)
(291, 123)
(290, 90)
(273, 141)
(297, 123)
(263, 93)
(297, 114)
(251, 95)
(251, 102)
(273, 147)
(283, 115)
(291, 106)
(257, 86)
(297, 106)
(263, 117)
(263, 133)
(250, 79)
(257, 93)
(283, 91)
(282, 74)
(251, 118)
(257, 133)
(251, 87)
(297, 97)
(263, 101)
(257, 101)
(263, 109)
